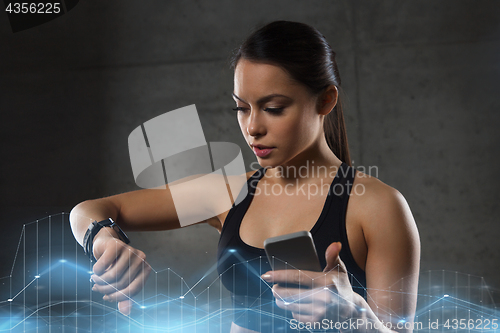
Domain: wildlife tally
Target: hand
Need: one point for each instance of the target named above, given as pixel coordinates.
(120, 271)
(320, 295)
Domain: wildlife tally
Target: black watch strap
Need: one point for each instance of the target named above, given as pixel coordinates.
(94, 228)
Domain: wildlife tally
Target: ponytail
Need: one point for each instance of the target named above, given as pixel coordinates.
(336, 134)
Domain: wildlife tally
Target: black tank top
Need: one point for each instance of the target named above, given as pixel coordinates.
(241, 265)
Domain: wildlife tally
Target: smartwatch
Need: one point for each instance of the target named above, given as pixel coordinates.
(94, 228)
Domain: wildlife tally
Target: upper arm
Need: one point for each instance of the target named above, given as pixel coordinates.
(393, 257)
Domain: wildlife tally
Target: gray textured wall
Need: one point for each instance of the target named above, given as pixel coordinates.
(421, 78)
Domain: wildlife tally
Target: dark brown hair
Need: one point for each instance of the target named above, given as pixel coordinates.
(305, 54)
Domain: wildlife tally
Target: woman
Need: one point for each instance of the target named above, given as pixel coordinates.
(286, 87)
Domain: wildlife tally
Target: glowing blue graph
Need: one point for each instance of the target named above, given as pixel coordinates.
(48, 290)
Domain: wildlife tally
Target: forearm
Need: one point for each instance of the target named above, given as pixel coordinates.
(364, 320)
(83, 214)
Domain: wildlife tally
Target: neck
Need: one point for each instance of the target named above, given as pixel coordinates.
(316, 162)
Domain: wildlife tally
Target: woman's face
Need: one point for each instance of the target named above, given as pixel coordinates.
(275, 111)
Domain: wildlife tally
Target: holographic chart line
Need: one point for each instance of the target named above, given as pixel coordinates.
(203, 306)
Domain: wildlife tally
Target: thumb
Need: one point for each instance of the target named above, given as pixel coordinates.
(332, 256)
(125, 307)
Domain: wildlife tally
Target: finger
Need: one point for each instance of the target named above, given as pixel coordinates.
(125, 294)
(298, 308)
(332, 256)
(115, 271)
(104, 289)
(289, 294)
(133, 288)
(321, 296)
(125, 280)
(125, 261)
(134, 269)
(291, 276)
(106, 260)
(125, 307)
(110, 288)
(285, 294)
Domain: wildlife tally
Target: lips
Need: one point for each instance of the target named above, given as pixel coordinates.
(261, 150)
(261, 146)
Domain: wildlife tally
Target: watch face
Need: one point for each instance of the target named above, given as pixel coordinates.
(107, 223)
(120, 233)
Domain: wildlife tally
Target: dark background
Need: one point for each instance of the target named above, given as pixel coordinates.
(421, 80)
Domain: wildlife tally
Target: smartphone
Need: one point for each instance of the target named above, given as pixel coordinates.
(292, 251)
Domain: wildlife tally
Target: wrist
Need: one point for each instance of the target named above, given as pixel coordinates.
(364, 314)
(101, 238)
(105, 233)
(106, 229)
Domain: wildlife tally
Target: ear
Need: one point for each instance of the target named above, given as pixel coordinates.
(327, 100)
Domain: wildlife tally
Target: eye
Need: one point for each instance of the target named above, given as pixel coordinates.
(274, 110)
(239, 108)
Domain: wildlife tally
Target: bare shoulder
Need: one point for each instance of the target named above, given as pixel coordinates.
(379, 208)
(374, 194)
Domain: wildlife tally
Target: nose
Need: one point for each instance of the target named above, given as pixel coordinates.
(255, 124)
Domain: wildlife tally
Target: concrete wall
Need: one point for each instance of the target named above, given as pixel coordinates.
(421, 78)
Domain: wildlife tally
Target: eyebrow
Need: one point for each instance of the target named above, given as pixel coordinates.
(264, 99)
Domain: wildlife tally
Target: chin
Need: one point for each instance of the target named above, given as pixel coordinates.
(267, 164)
